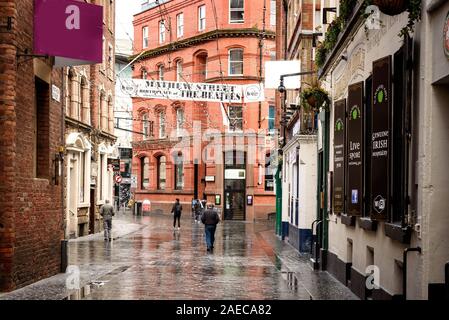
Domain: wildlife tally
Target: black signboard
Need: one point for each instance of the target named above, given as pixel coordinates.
(114, 164)
(381, 138)
(339, 156)
(354, 151)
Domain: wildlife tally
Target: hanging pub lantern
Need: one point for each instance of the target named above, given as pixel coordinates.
(391, 7)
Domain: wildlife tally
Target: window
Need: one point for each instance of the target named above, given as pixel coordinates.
(103, 64)
(236, 11)
(161, 72)
(271, 118)
(145, 37)
(179, 121)
(144, 74)
(161, 172)
(179, 70)
(236, 118)
(273, 12)
(269, 176)
(201, 18)
(236, 62)
(162, 125)
(151, 128)
(162, 31)
(145, 126)
(145, 173)
(42, 129)
(82, 176)
(180, 25)
(179, 172)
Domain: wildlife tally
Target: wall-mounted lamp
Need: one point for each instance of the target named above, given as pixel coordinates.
(58, 161)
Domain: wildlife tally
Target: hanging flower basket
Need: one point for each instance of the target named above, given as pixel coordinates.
(315, 98)
(391, 7)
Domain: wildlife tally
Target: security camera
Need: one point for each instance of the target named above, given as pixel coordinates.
(281, 88)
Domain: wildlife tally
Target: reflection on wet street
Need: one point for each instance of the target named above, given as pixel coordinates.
(157, 262)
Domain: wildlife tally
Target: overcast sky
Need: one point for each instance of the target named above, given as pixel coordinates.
(125, 9)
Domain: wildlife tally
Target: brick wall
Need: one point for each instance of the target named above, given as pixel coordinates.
(31, 217)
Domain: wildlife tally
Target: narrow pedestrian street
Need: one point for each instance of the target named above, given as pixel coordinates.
(148, 260)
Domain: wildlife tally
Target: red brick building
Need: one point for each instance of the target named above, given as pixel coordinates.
(216, 42)
(31, 133)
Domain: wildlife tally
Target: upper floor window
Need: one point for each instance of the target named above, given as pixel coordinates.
(144, 74)
(161, 72)
(236, 11)
(179, 70)
(179, 121)
(145, 37)
(180, 25)
(236, 62)
(162, 31)
(235, 118)
(201, 18)
(145, 126)
(162, 125)
(273, 12)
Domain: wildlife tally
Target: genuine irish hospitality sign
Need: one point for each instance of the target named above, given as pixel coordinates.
(339, 156)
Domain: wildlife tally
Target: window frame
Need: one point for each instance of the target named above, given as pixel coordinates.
(230, 62)
(201, 26)
(145, 126)
(159, 170)
(236, 10)
(145, 37)
(179, 70)
(161, 72)
(162, 125)
(162, 30)
(232, 127)
(179, 123)
(180, 26)
(271, 120)
(179, 164)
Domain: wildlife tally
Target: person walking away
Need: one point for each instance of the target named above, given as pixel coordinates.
(107, 212)
(210, 218)
(177, 210)
(198, 209)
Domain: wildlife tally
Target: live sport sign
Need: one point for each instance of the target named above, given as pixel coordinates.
(354, 152)
(211, 92)
(71, 31)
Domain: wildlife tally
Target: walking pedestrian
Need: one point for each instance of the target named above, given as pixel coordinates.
(197, 210)
(107, 212)
(177, 210)
(210, 218)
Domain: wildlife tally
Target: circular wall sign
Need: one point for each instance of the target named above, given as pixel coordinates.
(446, 35)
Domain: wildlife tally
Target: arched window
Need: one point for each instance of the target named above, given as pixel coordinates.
(162, 132)
(178, 70)
(145, 126)
(85, 106)
(161, 172)
(236, 62)
(144, 73)
(145, 173)
(160, 69)
(179, 121)
(179, 171)
(162, 31)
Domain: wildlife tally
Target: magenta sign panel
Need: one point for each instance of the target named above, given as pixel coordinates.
(69, 29)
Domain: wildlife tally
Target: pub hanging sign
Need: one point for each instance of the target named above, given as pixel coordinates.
(354, 155)
(339, 156)
(381, 139)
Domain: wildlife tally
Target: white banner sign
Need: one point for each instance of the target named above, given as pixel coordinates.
(227, 93)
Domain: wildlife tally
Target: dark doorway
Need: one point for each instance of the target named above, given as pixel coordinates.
(235, 186)
(92, 212)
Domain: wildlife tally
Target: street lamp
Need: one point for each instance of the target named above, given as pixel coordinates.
(282, 90)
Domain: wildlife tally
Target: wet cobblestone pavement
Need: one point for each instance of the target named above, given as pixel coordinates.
(155, 262)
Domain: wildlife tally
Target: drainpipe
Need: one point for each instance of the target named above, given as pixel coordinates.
(64, 242)
(404, 269)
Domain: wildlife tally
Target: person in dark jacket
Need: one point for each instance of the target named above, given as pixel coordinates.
(210, 218)
(177, 210)
(107, 212)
